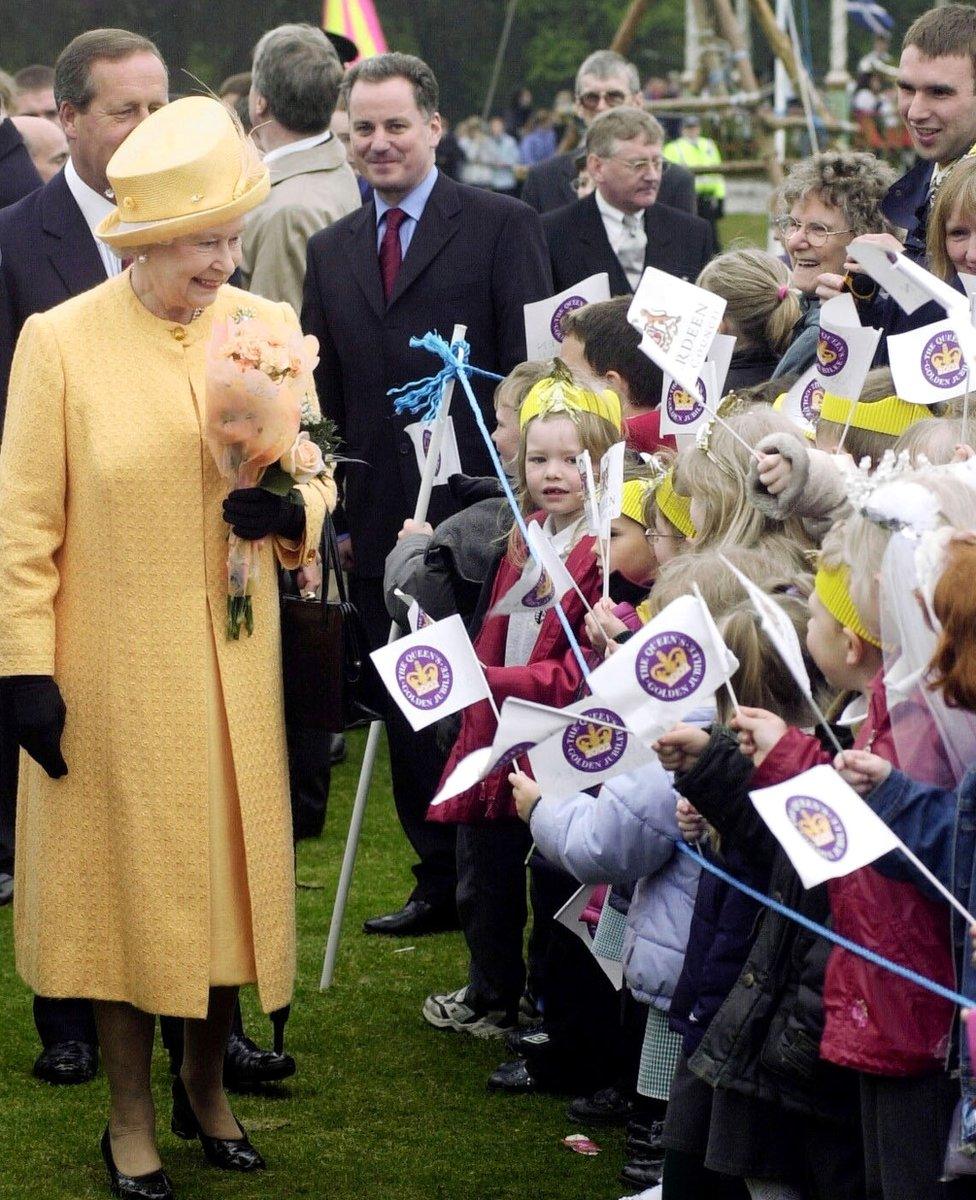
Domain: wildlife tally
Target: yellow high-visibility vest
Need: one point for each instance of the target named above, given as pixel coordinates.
(702, 152)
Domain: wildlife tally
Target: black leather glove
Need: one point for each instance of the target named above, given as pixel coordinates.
(255, 513)
(35, 713)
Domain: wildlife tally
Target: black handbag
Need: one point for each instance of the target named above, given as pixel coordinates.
(330, 682)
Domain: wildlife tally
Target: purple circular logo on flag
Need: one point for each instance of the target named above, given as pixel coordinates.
(425, 440)
(682, 407)
(540, 594)
(820, 825)
(510, 755)
(590, 746)
(942, 363)
(670, 666)
(570, 304)
(832, 353)
(424, 676)
(811, 400)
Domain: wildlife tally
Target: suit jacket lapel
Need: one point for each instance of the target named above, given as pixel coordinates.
(438, 223)
(655, 252)
(70, 244)
(361, 231)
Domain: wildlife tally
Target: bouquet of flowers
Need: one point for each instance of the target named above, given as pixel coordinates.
(257, 380)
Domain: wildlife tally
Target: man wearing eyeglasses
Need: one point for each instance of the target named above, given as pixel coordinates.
(620, 228)
(605, 80)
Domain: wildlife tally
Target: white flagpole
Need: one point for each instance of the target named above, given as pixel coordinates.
(718, 647)
(373, 738)
(939, 887)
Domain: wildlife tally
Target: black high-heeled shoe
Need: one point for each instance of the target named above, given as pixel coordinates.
(230, 1154)
(154, 1186)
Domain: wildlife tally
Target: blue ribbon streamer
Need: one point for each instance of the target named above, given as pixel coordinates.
(861, 951)
(424, 396)
(413, 396)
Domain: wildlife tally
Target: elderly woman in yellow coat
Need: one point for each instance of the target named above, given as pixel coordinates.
(154, 854)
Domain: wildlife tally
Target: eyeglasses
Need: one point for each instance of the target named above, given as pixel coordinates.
(637, 166)
(612, 98)
(815, 233)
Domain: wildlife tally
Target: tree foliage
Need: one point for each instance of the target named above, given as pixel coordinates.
(549, 37)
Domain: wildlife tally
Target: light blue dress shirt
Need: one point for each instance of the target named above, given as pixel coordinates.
(413, 204)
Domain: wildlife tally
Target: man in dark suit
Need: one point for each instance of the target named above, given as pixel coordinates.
(18, 175)
(423, 254)
(106, 82)
(604, 80)
(620, 228)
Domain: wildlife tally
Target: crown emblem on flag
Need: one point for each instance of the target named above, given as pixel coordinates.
(423, 679)
(825, 355)
(947, 360)
(671, 667)
(594, 740)
(815, 827)
(683, 401)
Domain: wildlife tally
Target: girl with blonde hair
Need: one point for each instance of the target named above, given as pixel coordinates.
(761, 311)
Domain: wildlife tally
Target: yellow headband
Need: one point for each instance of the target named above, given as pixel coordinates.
(675, 507)
(892, 415)
(556, 395)
(832, 590)
(634, 498)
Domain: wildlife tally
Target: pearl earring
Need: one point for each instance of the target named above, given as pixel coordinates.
(142, 258)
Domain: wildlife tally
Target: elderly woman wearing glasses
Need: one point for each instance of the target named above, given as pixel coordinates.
(154, 854)
(827, 201)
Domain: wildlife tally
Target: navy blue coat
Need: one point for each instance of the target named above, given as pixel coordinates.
(47, 255)
(18, 175)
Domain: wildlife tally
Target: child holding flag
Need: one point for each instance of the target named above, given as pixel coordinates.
(891, 1032)
(754, 1100)
(937, 822)
(528, 657)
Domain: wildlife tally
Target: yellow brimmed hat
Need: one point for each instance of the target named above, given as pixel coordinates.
(675, 507)
(892, 415)
(834, 594)
(634, 499)
(558, 393)
(188, 167)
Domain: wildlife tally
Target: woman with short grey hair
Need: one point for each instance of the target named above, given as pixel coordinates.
(826, 201)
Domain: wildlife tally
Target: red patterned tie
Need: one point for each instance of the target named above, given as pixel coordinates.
(390, 256)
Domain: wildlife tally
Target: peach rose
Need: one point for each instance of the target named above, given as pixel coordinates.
(303, 461)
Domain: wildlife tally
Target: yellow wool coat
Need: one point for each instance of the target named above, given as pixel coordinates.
(112, 579)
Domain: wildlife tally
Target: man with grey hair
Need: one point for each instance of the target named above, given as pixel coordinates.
(620, 228)
(295, 83)
(604, 80)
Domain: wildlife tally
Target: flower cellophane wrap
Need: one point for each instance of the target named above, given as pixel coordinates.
(257, 379)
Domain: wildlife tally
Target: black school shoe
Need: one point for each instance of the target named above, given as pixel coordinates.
(642, 1173)
(608, 1106)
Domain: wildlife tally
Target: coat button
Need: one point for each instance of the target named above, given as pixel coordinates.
(404, 449)
(178, 332)
(748, 980)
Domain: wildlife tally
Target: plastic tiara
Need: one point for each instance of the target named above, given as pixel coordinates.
(891, 500)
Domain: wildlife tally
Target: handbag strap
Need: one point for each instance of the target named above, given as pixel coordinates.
(329, 551)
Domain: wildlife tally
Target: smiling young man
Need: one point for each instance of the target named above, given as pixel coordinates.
(619, 228)
(937, 102)
(423, 254)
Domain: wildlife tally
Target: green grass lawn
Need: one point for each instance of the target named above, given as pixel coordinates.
(382, 1106)
(749, 227)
